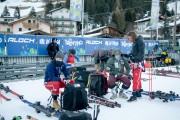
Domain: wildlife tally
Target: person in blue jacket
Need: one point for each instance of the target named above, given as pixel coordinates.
(53, 80)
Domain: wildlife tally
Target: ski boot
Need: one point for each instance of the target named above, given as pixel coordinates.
(122, 94)
(114, 96)
(138, 93)
(56, 104)
(133, 97)
(17, 118)
(114, 93)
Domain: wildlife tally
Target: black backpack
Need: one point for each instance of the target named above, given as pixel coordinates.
(70, 115)
(82, 77)
(74, 97)
(97, 85)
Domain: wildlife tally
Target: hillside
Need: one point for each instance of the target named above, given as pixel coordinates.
(25, 7)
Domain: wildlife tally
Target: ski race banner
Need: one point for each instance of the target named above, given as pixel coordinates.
(125, 46)
(29, 45)
(43, 42)
(154, 14)
(93, 43)
(2, 47)
(21, 45)
(74, 42)
(75, 10)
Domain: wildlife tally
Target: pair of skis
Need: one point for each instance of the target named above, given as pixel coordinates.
(49, 111)
(102, 101)
(6, 89)
(165, 97)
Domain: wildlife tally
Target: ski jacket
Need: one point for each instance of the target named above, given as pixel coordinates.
(138, 50)
(53, 72)
(116, 67)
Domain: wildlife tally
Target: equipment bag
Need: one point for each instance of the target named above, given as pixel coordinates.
(97, 85)
(82, 77)
(70, 115)
(74, 97)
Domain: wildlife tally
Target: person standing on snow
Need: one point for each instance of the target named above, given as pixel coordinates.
(115, 66)
(53, 81)
(137, 56)
(52, 48)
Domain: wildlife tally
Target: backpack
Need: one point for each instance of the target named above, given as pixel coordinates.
(70, 115)
(74, 97)
(97, 85)
(82, 77)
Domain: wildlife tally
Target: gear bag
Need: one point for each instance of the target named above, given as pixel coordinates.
(74, 97)
(82, 77)
(70, 115)
(97, 85)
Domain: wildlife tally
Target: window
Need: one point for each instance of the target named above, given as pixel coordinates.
(29, 28)
(20, 29)
(29, 21)
(8, 29)
(34, 21)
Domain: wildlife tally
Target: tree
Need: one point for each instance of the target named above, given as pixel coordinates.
(67, 4)
(166, 29)
(3, 0)
(32, 12)
(58, 5)
(17, 13)
(49, 7)
(5, 12)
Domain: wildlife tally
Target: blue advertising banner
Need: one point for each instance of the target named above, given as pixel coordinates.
(74, 42)
(111, 44)
(2, 47)
(21, 45)
(43, 42)
(150, 45)
(126, 46)
(92, 44)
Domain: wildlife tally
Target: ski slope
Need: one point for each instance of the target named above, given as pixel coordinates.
(142, 109)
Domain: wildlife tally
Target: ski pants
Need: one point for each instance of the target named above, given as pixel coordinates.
(54, 86)
(137, 78)
(112, 80)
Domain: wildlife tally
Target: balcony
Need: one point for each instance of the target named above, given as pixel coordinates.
(64, 32)
(64, 25)
(30, 25)
(61, 19)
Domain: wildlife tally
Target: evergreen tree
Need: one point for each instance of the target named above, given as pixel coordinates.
(17, 13)
(5, 12)
(49, 7)
(58, 5)
(32, 12)
(166, 29)
(68, 4)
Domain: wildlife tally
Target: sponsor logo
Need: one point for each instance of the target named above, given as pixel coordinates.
(94, 42)
(43, 41)
(0, 40)
(126, 44)
(111, 43)
(70, 42)
(21, 40)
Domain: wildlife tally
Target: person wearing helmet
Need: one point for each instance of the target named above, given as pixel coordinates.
(70, 58)
(52, 48)
(53, 81)
(116, 67)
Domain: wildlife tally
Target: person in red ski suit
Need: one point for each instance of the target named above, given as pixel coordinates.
(136, 56)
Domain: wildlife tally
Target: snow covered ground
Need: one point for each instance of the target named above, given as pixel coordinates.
(142, 109)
